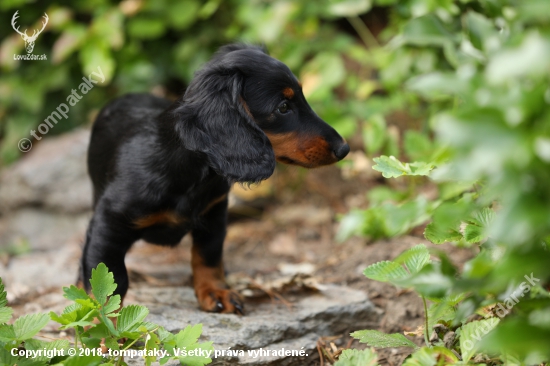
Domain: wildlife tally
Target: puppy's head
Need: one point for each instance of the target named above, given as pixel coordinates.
(245, 110)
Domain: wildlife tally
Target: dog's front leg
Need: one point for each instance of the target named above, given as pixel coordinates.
(211, 289)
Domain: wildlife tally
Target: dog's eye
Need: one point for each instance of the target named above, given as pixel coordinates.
(283, 108)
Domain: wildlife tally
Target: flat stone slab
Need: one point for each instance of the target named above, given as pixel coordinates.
(267, 326)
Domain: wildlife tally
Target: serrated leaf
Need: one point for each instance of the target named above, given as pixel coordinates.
(35, 344)
(483, 217)
(112, 305)
(471, 335)
(390, 167)
(3, 294)
(197, 360)
(187, 339)
(473, 233)
(378, 339)
(5, 314)
(6, 358)
(85, 361)
(414, 258)
(7, 333)
(385, 271)
(355, 357)
(442, 311)
(103, 283)
(165, 336)
(28, 326)
(111, 343)
(431, 357)
(74, 293)
(131, 317)
(439, 235)
(188, 336)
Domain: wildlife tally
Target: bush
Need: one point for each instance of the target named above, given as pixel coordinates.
(485, 89)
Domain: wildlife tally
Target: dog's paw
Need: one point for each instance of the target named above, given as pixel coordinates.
(220, 300)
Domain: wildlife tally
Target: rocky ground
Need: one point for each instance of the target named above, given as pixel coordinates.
(303, 289)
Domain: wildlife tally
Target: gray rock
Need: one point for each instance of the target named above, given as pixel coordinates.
(41, 229)
(266, 326)
(53, 175)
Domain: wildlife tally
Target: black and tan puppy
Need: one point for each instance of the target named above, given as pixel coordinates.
(161, 169)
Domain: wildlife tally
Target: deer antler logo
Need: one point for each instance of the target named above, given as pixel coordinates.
(29, 41)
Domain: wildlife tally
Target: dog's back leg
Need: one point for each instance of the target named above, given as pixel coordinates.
(107, 240)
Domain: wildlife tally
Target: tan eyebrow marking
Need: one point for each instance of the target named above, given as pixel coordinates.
(288, 93)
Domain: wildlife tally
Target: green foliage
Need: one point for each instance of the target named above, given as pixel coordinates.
(353, 357)
(90, 318)
(375, 338)
(159, 44)
(477, 72)
(390, 167)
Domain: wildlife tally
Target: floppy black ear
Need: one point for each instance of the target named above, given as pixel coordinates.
(213, 119)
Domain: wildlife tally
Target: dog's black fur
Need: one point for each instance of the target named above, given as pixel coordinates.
(161, 169)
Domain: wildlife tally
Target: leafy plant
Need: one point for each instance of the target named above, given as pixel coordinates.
(91, 319)
(478, 73)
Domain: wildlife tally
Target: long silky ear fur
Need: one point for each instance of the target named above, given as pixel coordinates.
(213, 119)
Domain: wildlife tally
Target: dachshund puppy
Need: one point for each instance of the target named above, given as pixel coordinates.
(161, 170)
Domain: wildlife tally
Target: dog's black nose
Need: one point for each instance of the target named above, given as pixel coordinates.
(341, 151)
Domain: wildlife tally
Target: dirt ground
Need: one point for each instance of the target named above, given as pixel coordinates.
(295, 226)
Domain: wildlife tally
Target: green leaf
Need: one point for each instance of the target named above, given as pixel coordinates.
(385, 271)
(350, 224)
(431, 357)
(447, 219)
(6, 359)
(187, 339)
(355, 357)
(151, 344)
(146, 28)
(473, 234)
(480, 29)
(103, 283)
(183, 14)
(378, 339)
(483, 217)
(165, 336)
(53, 346)
(390, 167)
(96, 56)
(374, 133)
(7, 333)
(3, 295)
(189, 335)
(112, 305)
(414, 258)
(131, 317)
(111, 343)
(5, 314)
(417, 145)
(426, 30)
(347, 8)
(74, 293)
(442, 311)
(85, 361)
(28, 326)
(471, 335)
(439, 235)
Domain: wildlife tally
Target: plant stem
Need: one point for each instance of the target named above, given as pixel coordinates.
(363, 32)
(426, 322)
